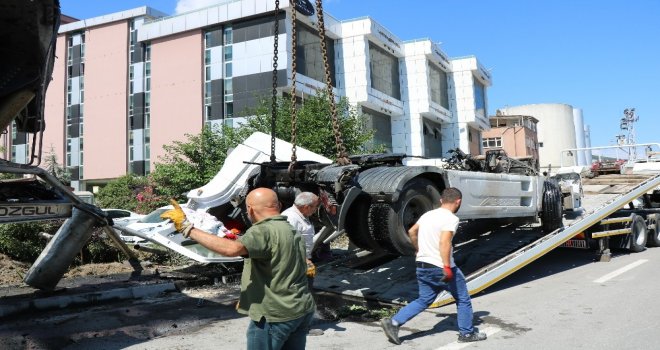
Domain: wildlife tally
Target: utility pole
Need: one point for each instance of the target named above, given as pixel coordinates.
(628, 126)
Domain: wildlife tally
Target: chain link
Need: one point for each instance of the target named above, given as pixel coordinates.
(294, 116)
(342, 157)
(273, 118)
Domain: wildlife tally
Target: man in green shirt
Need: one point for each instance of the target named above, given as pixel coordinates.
(274, 291)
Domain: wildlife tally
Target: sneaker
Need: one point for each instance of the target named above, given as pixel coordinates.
(391, 331)
(474, 336)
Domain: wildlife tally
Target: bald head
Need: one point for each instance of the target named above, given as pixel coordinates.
(262, 203)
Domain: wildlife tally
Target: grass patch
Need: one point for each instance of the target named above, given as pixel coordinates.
(355, 311)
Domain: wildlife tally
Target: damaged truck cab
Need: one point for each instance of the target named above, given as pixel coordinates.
(377, 198)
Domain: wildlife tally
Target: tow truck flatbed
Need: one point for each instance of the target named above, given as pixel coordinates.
(485, 258)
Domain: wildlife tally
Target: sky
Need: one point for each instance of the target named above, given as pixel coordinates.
(601, 56)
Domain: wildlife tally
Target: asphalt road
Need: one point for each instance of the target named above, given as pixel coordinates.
(561, 301)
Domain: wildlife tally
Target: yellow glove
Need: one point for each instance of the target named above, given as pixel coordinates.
(311, 269)
(178, 217)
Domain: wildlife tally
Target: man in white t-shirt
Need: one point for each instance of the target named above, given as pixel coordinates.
(432, 237)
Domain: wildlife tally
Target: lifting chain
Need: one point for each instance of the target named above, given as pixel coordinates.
(274, 104)
(294, 117)
(342, 157)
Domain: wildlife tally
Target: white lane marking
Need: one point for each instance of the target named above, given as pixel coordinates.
(456, 345)
(622, 270)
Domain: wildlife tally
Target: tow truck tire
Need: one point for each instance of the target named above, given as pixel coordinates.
(654, 233)
(638, 234)
(551, 213)
(389, 224)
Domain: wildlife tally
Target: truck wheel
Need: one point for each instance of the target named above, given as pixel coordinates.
(638, 234)
(654, 233)
(551, 213)
(389, 224)
(357, 228)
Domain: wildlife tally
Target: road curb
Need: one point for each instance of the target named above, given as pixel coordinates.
(89, 298)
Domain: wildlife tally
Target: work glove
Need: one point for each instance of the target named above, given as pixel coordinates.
(311, 269)
(449, 274)
(178, 217)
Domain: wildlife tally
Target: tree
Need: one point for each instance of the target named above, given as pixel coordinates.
(54, 168)
(314, 125)
(191, 164)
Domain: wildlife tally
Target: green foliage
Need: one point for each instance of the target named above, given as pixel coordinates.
(122, 192)
(21, 241)
(191, 164)
(149, 200)
(314, 125)
(361, 312)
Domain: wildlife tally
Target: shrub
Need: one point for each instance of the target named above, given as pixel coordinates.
(122, 193)
(21, 241)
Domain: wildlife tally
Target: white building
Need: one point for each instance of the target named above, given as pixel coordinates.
(561, 127)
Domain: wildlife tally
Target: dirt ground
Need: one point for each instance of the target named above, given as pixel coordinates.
(12, 272)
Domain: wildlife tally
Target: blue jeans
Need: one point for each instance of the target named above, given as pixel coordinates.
(430, 285)
(289, 335)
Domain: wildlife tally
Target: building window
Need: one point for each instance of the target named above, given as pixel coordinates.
(228, 55)
(439, 86)
(218, 69)
(432, 139)
(228, 36)
(384, 71)
(382, 127)
(479, 97)
(309, 57)
(492, 142)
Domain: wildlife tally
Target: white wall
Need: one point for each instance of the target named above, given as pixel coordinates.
(578, 122)
(556, 131)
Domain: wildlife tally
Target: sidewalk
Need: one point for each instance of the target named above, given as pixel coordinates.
(94, 290)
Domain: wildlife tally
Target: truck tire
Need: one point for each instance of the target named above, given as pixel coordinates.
(654, 234)
(389, 224)
(357, 228)
(638, 234)
(551, 211)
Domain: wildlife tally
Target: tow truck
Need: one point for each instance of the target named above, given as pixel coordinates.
(634, 225)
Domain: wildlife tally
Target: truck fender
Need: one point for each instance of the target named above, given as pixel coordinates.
(384, 184)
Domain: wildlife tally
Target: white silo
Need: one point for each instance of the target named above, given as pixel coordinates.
(578, 123)
(587, 141)
(556, 132)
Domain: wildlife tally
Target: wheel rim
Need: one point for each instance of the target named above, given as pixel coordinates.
(639, 229)
(656, 233)
(413, 208)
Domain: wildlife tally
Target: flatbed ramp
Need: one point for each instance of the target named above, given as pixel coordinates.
(485, 258)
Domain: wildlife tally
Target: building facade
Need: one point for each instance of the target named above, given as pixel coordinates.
(128, 83)
(515, 134)
(560, 128)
